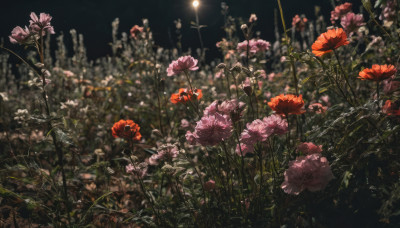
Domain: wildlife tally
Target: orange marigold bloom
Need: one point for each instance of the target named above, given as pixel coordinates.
(184, 95)
(329, 41)
(377, 72)
(126, 129)
(391, 108)
(287, 104)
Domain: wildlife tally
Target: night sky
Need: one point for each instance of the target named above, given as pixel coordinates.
(93, 18)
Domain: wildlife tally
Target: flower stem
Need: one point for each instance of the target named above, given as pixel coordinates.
(345, 76)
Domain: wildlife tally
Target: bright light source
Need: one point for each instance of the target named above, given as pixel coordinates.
(196, 3)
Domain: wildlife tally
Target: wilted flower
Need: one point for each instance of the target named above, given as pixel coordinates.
(329, 41)
(41, 24)
(391, 108)
(377, 72)
(311, 172)
(20, 35)
(299, 23)
(287, 104)
(340, 11)
(184, 63)
(309, 148)
(351, 22)
(135, 31)
(211, 130)
(126, 129)
(246, 86)
(185, 95)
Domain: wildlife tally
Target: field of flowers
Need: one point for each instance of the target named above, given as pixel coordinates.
(303, 131)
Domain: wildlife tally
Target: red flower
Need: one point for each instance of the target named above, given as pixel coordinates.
(329, 41)
(126, 129)
(391, 108)
(184, 95)
(287, 104)
(377, 72)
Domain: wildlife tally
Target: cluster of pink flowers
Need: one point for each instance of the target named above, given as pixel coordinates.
(309, 148)
(165, 152)
(36, 25)
(340, 11)
(232, 109)
(317, 108)
(259, 131)
(182, 64)
(299, 23)
(351, 22)
(139, 169)
(389, 11)
(255, 46)
(210, 130)
(311, 172)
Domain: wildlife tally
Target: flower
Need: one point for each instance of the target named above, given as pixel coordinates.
(377, 73)
(255, 131)
(351, 22)
(135, 31)
(255, 46)
(340, 11)
(287, 104)
(317, 108)
(309, 148)
(126, 129)
(20, 35)
(41, 24)
(165, 152)
(391, 108)
(311, 172)
(329, 41)
(185, 95)
(244, 149)
(275, 124)
(389, 11)
(246, 86)
(390, 85)
(182, 64)
(253, 18)
(211, 130)
(209, 185)
(139, 170)
(299, 23)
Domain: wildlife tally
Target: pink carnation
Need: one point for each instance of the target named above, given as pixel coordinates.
(351, 22)
(275, 125)
(244, 149)
(255, 131)
(191, 138)
(184, 63)
(230, 109)
(311, 172)
(340, 11)
(255, 46)
(309, 148)
(211, 130)
(41, 24)
(20, 35)
(165, 152)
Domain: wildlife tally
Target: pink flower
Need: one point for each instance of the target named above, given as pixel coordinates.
(229, 109)
(262, 45)
(317, 108)
(20, 35)
(185, 123)
(211, 109)
(351, 22)
(255, 46)
(244, 149)
(137, 169)
(135, 31)
(309, 148)
(182, 64)
(41, 24)
(211, 130)
(311, 172)
(389, 11)
(275, 125)
(165, 152)
(261, 73)
(253, 18)
(255, 131)
(299, 22)
(191, 138)
(340, 11)
(209, 185)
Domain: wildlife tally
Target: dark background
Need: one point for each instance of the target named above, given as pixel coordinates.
(93, 18)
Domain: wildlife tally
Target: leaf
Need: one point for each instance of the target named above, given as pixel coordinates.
(95, 204)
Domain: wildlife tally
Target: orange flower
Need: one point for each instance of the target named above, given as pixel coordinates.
(287, 104)
(126, 129)
(184, 95)
(391, 108)
(329, 41)
(377, 72)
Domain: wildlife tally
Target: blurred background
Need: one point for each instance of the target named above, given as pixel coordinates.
(93, 18)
